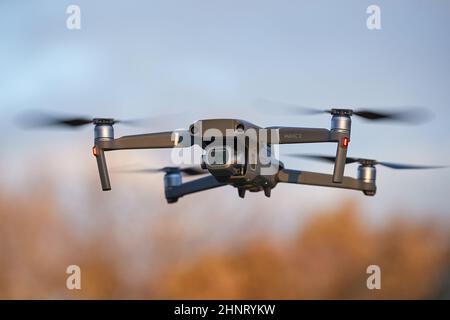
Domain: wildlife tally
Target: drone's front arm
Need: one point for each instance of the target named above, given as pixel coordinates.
(173, 192)
(287, 135)
(169, 139)
(325, 180)
(339, 135)
(103, 142)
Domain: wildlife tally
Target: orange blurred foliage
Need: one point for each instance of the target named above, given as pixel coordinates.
(327, 258)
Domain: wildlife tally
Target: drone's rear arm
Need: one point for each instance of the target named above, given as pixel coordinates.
(325, 180)
(173, 192)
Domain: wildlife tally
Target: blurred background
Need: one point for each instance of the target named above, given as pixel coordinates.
(210, 59)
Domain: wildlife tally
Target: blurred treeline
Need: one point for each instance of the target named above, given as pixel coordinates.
(326, 258)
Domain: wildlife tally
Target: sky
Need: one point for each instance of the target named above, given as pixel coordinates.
(214, 59)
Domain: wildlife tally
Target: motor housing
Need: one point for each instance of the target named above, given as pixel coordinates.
(367, 174)
(171, 179)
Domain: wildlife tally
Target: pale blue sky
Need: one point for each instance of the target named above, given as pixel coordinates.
(216, 58)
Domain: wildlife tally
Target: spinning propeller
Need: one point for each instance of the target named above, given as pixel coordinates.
(366, 162)
(41, 119)
(405, 114)
(189, 171)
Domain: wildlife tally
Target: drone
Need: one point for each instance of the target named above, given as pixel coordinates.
(241, 154)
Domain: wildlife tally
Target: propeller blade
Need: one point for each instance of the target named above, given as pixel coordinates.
(189, 171)
(43, 119)
(330, 159)
(405, 114)
(407, 166)
(290, 108)
(39, 119)
(411, 115)
(151, 121)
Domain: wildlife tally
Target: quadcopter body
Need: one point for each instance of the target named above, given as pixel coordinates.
(240, 154)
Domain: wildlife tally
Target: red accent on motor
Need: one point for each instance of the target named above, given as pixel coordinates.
(94, 151)
(345, 142)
